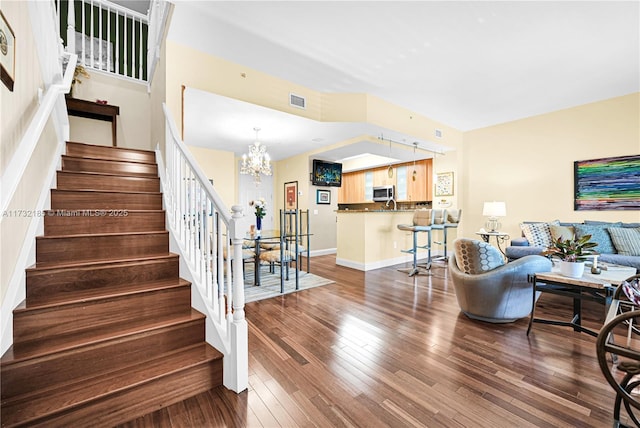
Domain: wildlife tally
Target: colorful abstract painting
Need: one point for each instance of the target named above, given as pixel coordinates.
(607, 184)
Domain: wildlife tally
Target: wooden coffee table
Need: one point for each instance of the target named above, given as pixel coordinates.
(598, 288)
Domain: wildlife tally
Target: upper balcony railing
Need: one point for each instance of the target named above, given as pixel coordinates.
(111, 38)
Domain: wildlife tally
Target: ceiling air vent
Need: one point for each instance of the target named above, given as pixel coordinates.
(297, 101)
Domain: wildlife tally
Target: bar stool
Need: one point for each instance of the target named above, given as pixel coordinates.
(450, 220)
(422, 222)
(439, 217)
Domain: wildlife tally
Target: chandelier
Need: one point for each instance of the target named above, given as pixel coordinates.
(257, 162)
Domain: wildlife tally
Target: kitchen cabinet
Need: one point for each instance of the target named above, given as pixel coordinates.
(352, 189)
(420, 189)
(368, 185)
(402, 188)
(357, 187)
(381, 176)
(416, 186)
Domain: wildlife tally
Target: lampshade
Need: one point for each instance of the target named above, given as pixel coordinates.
(494, 209)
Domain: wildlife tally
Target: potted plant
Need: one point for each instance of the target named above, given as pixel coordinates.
(572, 254)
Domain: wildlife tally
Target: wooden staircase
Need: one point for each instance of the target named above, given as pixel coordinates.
(107, 332)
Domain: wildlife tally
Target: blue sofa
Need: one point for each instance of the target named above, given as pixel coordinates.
(521, 247)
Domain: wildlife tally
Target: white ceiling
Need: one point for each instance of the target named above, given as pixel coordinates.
(466, 64)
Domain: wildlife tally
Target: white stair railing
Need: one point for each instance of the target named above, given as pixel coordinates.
(114, 39)
(206, 233)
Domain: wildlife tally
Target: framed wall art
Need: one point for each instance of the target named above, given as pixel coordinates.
(323, 197)
(444, 184)
(291, 196)
(607, 183)
(7, 53)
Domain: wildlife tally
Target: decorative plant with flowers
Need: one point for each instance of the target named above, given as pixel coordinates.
(260, 206)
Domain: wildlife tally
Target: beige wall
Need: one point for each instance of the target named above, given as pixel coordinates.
(22, 208)
(528, 163)
(18, 108)
(229, 79)
(195, 69)
(218, 166)
(134, 122)
(298, 168)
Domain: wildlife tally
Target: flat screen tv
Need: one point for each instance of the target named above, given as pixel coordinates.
(326, 173)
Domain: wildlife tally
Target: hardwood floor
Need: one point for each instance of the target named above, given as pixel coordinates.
(381, 349)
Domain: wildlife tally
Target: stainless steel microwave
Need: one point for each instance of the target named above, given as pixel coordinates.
(384, 193)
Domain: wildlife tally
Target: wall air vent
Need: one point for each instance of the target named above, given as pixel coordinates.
(297, 101)
(438, 133)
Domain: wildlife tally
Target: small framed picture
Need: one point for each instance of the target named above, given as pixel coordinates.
(444, 184)
(291, 196)
(7, 53)
(323, 197)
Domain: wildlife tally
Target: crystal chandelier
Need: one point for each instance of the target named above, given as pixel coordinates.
(257, 162)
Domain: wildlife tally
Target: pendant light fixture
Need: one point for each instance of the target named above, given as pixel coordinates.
(390, 169)
(415, 173)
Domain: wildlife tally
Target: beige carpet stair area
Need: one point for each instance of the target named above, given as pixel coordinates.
(106, 333)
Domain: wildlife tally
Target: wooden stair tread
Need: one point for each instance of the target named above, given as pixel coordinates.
(111, 148)
(42, 348)
(102, 159)
(116, 192)
(107, 331)
(97, 263)
(47, 265)
(108, 174)
(97, 235)
(53, 212)
(108, 165)
(106, 293)
(33, 406)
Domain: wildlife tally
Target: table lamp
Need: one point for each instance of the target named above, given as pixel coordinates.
(493, 210)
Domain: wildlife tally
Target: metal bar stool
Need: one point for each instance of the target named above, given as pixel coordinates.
(422, 222)
(439, 218)
(447, 220)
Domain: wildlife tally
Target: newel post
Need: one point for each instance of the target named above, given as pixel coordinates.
(236, 364)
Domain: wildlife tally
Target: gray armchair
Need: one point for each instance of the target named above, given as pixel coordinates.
(489, 290)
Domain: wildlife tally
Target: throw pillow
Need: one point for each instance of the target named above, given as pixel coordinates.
(475, 257)
(538, 234)
(626, 240)
(566, 232)
(599, 235)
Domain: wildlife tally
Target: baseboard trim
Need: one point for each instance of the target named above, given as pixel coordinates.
(323, 252)
(408, 260)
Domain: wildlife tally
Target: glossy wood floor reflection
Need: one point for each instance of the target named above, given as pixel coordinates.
(381, 349)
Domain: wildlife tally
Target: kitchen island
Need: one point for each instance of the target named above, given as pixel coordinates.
(369, 240)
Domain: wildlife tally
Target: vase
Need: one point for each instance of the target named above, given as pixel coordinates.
(258, 223)
(571, 269)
